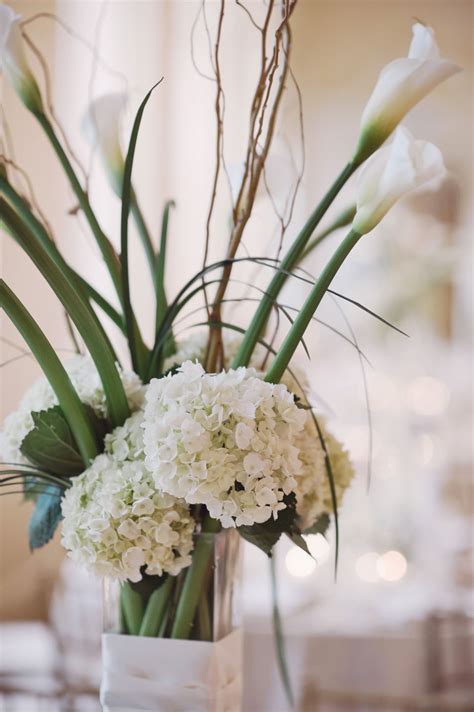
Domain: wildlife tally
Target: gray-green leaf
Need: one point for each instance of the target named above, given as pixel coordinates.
(51, 444)
(45, 518)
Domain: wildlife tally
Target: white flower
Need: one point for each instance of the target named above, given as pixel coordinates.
(126, 441)
(400, 86)
(224, 440)
(13, 60)
(313, 492)
(392, 172)
(112, 529)
(101, 125)
(40, 396)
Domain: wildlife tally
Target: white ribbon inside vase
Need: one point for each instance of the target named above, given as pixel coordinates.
(163, 675)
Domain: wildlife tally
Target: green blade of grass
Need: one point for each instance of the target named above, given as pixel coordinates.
(295, 334)
(54, 371)
(133, 334)
(45, 240)
(291, 258)
(80, 312)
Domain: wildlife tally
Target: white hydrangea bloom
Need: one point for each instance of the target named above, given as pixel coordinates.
(224, 440)
(126, 441)
(313, 493)
(40, 396)
(116, 523)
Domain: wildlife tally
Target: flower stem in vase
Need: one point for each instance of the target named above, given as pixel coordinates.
(132, 606)
(193, 587)
(156, 608)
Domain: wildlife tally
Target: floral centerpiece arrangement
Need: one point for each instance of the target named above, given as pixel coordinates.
(157, 468)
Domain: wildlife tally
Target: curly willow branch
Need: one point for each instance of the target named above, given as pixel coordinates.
(264, 111)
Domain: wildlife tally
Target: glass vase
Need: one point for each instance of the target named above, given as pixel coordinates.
(174, 643)
(202, 603)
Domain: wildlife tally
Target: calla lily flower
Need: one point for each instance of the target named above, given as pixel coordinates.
(13, 60)
(102, 128)
(393, 171)
(400, 86)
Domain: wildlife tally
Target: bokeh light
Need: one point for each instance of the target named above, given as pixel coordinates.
(392, 566)
(298, 563)
(366, 567)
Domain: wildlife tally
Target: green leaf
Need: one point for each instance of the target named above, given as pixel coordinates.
(51, 444)
(257, 536)
(299, 541)
(54, 372)
(161, 301)
(133, 334)
(320, 526)
(45, 518)
(46, 241)
(79, 310)
(266, 535)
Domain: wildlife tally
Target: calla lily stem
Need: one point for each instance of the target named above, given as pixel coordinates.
(108, 252)
(291, 259)
(304, 317)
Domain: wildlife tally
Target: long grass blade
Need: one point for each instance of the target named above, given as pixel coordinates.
(108, 252)
(291, 258)
(80, 312)
(366, 397)
(161, 302)
(332, 487)
(133, 333)
(45, 240)
(73, 409)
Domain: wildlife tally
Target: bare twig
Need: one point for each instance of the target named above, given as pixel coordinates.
(256, 156)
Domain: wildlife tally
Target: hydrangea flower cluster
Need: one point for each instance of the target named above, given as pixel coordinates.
(313, 493)
(85, 379)
(117, 524)
(224, 440)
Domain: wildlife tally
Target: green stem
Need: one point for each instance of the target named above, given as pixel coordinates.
(260, 318)
(194, 581)
(305, 315)
(204, 619)
(155, 610)
(144, 234)
(54, 371)
(345, 218)
(132, 606)
(108, 252)
(279, 638)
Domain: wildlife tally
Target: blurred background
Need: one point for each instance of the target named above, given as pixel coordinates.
(395, 631)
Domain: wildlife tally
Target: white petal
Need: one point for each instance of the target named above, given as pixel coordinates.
(392, 172)
(13, 59)
(400, 86)
(423, 44)
(101, 126)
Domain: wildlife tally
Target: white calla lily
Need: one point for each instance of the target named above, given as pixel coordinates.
(393, 171)
(400, 86)
(102, 128)
(13, 60)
